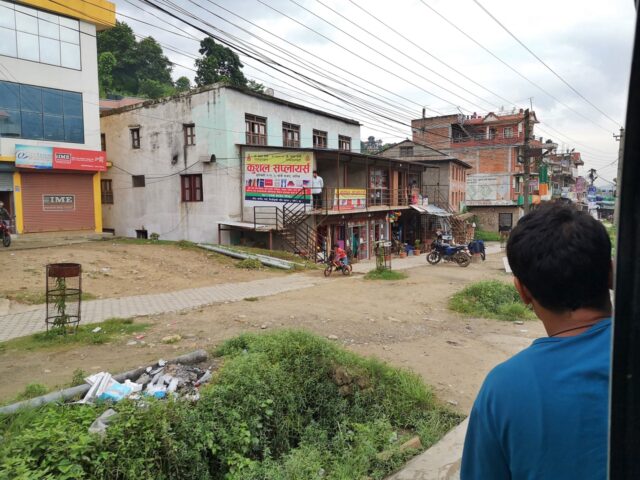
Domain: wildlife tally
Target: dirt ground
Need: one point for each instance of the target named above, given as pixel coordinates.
(404, 322)
(115, 268)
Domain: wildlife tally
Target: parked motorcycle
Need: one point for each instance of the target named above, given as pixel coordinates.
(477, 246)
(449, 253)
(5, 234)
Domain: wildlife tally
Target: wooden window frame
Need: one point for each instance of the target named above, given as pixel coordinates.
(191, 187)
(138, 181)
(507, 132)
(189, 130)
(103, 142)
(320, 138)
(255, 135)
(106, 194)
(344, 143)
(404, 150)
(293, 131)
(135, 138)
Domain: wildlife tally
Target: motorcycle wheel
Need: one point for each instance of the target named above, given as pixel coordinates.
(483, 256)
(462, 259)
(328, 270)
(433, 257)
(347, 270)
(6, 240)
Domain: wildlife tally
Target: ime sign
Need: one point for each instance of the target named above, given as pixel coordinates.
(58, 203)
(74, 159)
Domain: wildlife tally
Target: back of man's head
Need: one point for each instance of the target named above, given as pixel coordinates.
(563, 257)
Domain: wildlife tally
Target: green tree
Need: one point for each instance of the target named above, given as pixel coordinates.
(151, 63)
(154, 89)
(106, 62)
(218, 64)
(255, 86)
(183, 84)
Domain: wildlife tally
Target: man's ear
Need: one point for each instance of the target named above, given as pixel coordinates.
(522, 291)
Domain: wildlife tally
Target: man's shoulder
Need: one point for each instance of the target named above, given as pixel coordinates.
(513, 370)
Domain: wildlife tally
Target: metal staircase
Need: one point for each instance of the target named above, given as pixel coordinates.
(458, 226)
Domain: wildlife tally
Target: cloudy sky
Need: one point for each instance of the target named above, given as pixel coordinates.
(381, 62)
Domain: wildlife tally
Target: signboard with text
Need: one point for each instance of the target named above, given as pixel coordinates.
(276, 177)
(74, 159)
(350, 198)
(30, 156)
(489, 189)
(58, 203)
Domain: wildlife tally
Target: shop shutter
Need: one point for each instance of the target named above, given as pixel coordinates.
(36, 219)
(6, 182)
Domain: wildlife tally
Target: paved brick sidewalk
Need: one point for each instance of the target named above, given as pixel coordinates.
(32, 321)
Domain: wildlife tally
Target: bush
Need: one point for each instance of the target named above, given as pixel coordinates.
(487, 236)
(385, 274)
(249, 264)
(491, 299)
(287, 405)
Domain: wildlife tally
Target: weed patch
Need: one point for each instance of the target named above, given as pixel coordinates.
(37, 298)
(249, 264)
(286, 405)
(487, 236)
(491, 299)
(385, 275)
(109, 330)
(251, 299)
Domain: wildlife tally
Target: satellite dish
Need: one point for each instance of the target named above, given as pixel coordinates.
(269, 91)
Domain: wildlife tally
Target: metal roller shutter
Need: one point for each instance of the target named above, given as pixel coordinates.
(37, 219)
(6, 182)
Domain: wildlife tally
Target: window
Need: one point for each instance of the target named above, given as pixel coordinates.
(406, 151)
(103, 142)
(191, 186)
(189, 134)
(319, 139)
(508, 132)
(256, 128)
(38, 36)
(135, 137)
(138, 180)
(38, 113)
(505, 222)
(344, 143)
(106, 192)
(290, 135)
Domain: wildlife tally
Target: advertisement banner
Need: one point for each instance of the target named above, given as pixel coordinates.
(276, 177)
(58, 203)
(351, 198)
(30, 156)
(489, 189)
(74, 159)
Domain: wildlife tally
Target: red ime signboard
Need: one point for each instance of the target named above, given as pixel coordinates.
(73, 159)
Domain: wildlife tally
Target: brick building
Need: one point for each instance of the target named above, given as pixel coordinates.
(493, 146)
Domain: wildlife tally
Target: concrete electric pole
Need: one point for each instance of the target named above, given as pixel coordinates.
(527, 161)
(620, 139)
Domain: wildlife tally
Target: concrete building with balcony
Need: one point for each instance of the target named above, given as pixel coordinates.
(493, 145)
(50, 155)
(563, 176)
(222, 164)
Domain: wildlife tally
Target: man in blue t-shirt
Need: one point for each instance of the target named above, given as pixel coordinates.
(544, 413)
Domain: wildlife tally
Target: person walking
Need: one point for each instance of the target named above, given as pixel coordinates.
(317, 184)
(544, 413)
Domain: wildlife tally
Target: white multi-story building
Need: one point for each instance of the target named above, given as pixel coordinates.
(184, 165)
(50, 154)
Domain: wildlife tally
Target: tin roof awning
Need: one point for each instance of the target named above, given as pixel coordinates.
(431, 210)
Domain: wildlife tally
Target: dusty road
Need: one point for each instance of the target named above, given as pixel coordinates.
(405, 322)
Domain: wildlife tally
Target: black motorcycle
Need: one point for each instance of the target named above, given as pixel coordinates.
(449, 253)
(5, 234)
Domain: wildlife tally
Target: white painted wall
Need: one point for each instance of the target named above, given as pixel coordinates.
(219, 116)
(84, 81)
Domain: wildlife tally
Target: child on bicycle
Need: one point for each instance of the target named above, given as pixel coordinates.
(339, 255)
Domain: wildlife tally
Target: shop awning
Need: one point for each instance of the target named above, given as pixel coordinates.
(419, 208)
(437, 211)
(464, 216)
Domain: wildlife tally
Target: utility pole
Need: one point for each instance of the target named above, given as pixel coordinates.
(620, 139)
(526, 159)
(592, 175)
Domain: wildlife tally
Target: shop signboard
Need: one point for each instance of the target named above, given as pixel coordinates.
(489, 189)
(58, 203)
(276, 177)
(351, 198)
(31, 156)
(74, 159)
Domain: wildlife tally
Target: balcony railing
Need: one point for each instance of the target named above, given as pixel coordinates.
(256, 139)
(352, 200)
(489, 138)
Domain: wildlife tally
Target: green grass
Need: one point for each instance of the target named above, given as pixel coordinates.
(32, 390)
(284, 406)
(250, 264)
(487, 236)
(300, 262)
(251, 299)
(491, 299)
(385, 275)
(111, 329)
(612, 231)
(37, 298)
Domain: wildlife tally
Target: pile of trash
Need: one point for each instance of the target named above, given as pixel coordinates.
(159, 380)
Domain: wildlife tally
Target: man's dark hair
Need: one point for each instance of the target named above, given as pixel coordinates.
(315, 171)
(563, 257)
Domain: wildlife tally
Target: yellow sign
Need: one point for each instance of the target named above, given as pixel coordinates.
(277, 177)
(351, 198)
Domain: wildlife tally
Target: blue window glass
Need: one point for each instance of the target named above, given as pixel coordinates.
(53, 128)
(10, 123)
(72, 104)
(32, 125)
(52, 101)
(30, 98)
(73, 129)
(9, 95)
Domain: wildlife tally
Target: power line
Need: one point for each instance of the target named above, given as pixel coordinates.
(543, 62)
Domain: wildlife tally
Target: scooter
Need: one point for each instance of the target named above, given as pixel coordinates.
(449, 253)
(5, 234)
